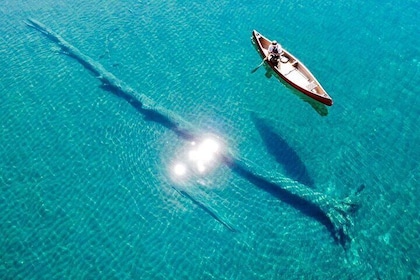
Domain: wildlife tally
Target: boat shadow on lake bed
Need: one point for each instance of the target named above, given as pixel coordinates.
(282, 152)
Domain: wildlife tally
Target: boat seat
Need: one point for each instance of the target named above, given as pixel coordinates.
(287, 69)
(294, 69)
(311, 86)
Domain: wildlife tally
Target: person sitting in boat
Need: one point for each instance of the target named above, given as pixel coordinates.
(274, 52)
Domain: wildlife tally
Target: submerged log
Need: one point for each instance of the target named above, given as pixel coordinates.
(334, 214)
(141, 102)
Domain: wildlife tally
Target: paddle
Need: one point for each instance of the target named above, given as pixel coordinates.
(256, 68)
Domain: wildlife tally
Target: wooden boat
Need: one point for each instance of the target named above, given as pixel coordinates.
(293, 71)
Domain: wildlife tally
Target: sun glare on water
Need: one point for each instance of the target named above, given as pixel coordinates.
(198, 158)
(180, 169)
(204, 154)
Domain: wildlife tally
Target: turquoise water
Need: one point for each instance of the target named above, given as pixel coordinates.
(87, 183)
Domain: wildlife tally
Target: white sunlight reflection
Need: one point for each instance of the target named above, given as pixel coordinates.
(198, 158)
(180, 169)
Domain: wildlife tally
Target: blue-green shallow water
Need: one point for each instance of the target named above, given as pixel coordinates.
(86, 183)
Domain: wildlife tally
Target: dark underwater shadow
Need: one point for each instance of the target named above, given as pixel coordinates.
(282, 152)
(206, 209)
(304, 206)
(149, 114)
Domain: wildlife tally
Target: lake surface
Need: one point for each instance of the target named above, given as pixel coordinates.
(92, 188)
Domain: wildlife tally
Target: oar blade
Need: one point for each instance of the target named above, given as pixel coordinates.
(256, 68)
